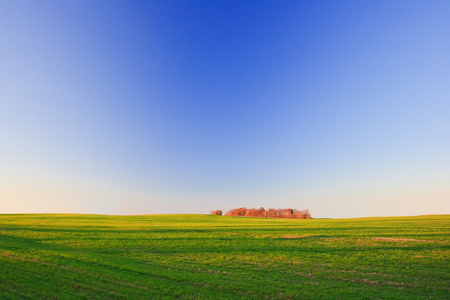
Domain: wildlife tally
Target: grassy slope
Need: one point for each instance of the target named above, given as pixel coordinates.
(197, 256)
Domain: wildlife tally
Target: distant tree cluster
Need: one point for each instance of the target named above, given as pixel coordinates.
(287, 213)
(218, 212)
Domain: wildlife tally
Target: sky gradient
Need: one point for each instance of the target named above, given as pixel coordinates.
(143, 107)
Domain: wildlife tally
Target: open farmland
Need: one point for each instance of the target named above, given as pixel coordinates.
(198, 256)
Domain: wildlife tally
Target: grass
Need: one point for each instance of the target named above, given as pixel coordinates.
(198, 257)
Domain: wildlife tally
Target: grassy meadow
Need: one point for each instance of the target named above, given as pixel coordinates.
(218, 257)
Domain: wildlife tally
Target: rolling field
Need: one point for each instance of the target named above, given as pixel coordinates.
(202, 257)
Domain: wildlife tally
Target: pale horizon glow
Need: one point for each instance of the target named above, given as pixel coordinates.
(158, 107)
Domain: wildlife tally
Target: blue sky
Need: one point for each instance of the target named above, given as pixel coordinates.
(136, 107)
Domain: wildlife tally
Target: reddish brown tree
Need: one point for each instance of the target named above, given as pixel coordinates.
(255, 212)
(306, 214)
(271, 213)
(237, 212)
(286, 213)
(261, 212)
(218, 212)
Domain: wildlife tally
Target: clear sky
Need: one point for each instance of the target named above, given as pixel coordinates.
(142, 107)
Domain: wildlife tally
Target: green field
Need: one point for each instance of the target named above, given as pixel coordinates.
(217, 257)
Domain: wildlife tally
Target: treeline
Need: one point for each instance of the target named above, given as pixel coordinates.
(287, 213)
